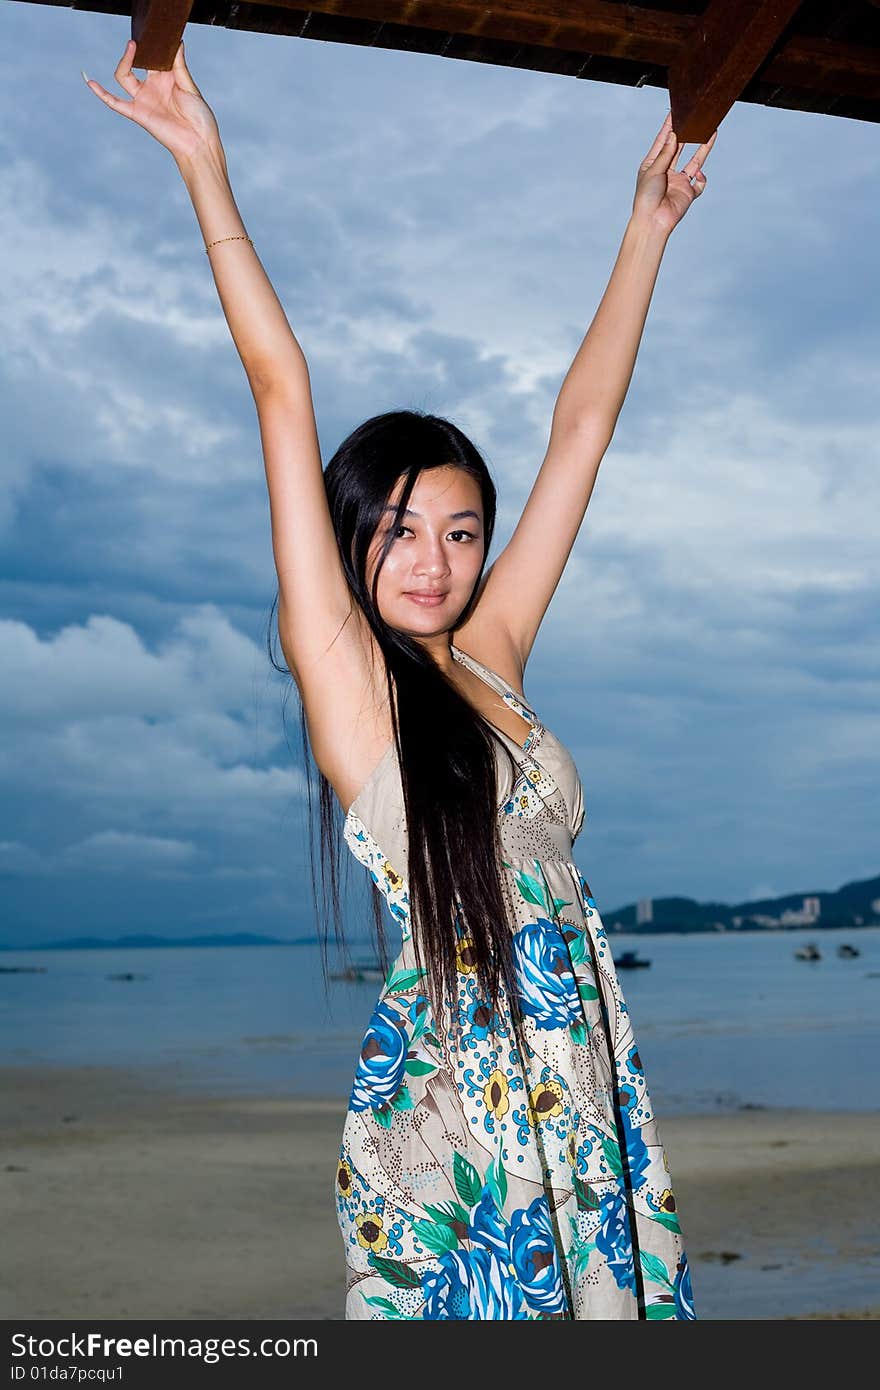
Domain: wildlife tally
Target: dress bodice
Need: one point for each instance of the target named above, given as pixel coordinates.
(540, 806)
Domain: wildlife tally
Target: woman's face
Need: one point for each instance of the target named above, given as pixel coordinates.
(431, 569)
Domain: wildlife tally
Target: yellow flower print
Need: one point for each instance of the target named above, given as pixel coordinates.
(523, 802)
(495, 1094)
(545, 1101)
(667, 1201)
(392, 877)
(465, 960)
(370, 1233)
(535, 775)
(571, 1149)
(343, 1178)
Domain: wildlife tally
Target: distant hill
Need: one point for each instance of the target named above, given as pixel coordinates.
(854, 905)
(129, 943)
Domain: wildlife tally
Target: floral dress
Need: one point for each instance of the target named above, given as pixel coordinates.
(471, 1183)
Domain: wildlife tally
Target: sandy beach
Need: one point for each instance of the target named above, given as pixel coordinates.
(122, 1196)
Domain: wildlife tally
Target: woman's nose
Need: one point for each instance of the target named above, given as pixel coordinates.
(432, 560)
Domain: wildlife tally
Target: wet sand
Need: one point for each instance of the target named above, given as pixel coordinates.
(124, 1197)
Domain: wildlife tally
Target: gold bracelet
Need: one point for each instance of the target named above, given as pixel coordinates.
(226, 238)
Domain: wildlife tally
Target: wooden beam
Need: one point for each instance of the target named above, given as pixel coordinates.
(650, 42)
(652, 39)
(727, 46)
(157, 27)
(633, 32)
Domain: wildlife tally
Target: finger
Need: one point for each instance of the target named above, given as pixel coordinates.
(697, 158)
(673, 150)
(116, 103)
(182, 72)
(659, 141)
(124, 75)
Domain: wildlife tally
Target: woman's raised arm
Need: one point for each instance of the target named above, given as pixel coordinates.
(524, 577)
(314, 598)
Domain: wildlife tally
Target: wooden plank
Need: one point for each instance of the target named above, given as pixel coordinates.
(726, 47)
(157, 27)
(633, 45)
(634, 32)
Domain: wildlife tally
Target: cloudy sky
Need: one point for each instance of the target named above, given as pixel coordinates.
(440, 234)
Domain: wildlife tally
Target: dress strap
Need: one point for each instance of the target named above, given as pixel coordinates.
(492, 678)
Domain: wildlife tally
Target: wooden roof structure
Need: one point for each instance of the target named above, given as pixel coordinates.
(803, 55)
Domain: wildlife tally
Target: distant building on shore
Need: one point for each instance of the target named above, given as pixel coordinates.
(806, 915)
(644, 911)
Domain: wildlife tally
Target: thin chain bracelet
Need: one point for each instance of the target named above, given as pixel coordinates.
(226, 238)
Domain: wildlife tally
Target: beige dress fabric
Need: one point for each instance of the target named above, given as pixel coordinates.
(472, 1182)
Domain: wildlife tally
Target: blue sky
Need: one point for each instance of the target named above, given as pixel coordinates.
(440, 234)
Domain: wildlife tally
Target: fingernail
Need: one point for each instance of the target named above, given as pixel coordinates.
(85, 77)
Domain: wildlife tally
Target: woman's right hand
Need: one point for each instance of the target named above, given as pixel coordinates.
(167, 104)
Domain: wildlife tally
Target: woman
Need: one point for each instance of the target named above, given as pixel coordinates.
(499, 1158)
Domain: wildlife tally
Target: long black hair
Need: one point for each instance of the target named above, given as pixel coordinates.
(459, 918)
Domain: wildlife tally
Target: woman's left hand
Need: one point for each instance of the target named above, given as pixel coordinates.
(664, 193)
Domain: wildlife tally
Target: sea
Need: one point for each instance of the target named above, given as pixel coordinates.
(723, 1021)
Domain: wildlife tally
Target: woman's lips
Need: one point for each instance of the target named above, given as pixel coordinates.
(427, 600)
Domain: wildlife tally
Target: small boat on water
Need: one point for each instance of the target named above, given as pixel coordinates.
(630, 960)
(809, 952)
(360, 971)
(847, 952)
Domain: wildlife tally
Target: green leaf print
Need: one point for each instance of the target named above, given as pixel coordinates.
(386, 1305)
(432, 1040)
(448, 1212)
(561, 902)
(587, 991)
(660, 1310)
(416, 1068)
(653, 1268)
(580, 1250)
(582, 1255)
(496, 1180)
(467, 1180)
(403, 1100)
(383, 1116)
(578, 1031)
(531, 891)
(611, 1150)
(586, 1197)
(402, 980)
(667, 1219)
(435, 1236)
(395, 1272)
(576, 949)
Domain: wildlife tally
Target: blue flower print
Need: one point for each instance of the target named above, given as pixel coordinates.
(472, 1284)
(636, 1148)
(548, 988)
(380, 1068)
(487, 1227)
(613, 1240)
(534, 1257)
(479, 1017)
(682, 1291)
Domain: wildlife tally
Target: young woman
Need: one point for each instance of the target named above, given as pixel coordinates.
(500, 1157)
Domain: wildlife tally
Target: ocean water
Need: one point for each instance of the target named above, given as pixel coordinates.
(722, 1021)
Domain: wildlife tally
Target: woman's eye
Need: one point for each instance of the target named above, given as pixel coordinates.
(396, 530)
